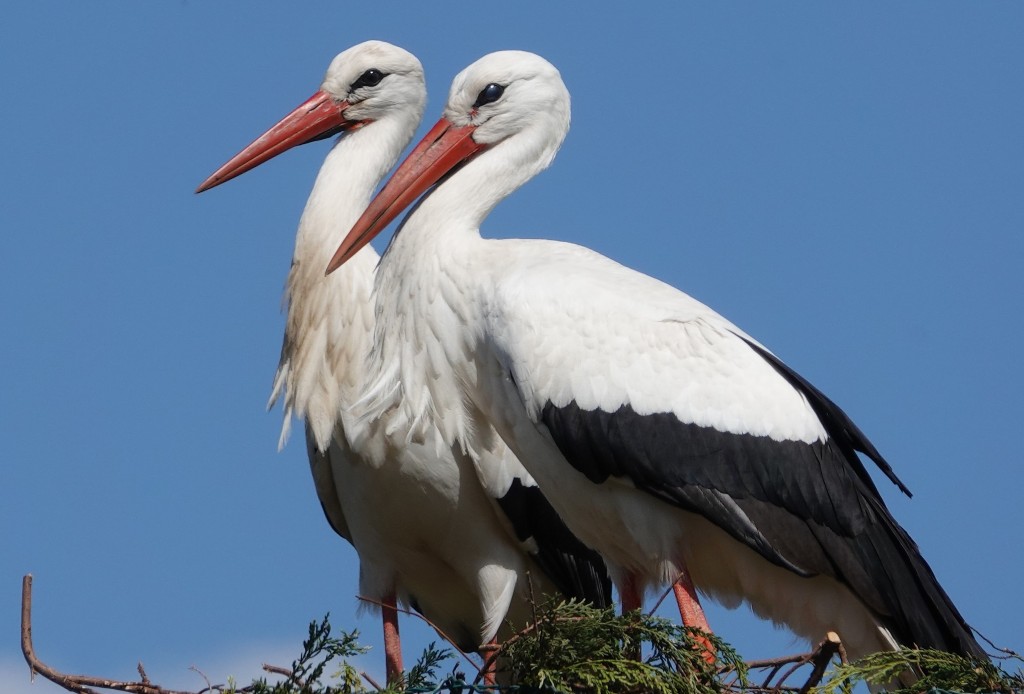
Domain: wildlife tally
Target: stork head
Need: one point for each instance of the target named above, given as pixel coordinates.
(507, 92)
(512, 101)
(369, 82)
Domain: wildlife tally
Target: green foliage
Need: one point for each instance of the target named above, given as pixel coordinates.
(319, 649)
(577, 648)
(423, 673)
(933, 669)
(573, 648)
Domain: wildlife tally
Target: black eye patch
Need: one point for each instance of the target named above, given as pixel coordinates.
(370, 78)
(489, 94)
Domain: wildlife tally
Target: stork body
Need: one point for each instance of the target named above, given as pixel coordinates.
(425, 528)
(666, 437)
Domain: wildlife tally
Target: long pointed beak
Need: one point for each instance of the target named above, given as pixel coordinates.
(444, 147)
(318, 117)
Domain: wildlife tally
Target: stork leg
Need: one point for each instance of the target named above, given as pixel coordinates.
(392, 642)
(692, 613)
(629, 594)
(631, 598)
(490, 662)
(690, 610)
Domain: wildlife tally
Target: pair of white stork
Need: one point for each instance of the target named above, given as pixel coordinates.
(448, 383)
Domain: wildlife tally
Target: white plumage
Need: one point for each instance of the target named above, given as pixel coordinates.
(664, 436)
(423, 525)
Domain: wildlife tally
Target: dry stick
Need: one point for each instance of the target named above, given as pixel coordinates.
(1006, 653)
(275, 670)
(533, 611)
(780, 661)
(828, 648)
(793, 668)
(209, 685)
(664, 594)
(771, 675)
(533, 598)
(843, 659)
(774, 665)
(820, 657)
(81, 684)
(371, 681)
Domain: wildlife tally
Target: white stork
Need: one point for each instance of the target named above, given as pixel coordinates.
(425, 529)
(667, 438)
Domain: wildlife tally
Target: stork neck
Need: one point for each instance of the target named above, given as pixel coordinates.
(352, 169)
(338, 305)
(463, 201)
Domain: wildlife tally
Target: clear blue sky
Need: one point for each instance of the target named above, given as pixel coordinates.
(844, 181)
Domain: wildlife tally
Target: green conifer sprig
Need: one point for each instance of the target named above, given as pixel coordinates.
(936, 670)
(574, 647)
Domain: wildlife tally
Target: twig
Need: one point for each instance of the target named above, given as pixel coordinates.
(433, 626)
(826, 651)
(209, 685)
(786, 674)
(820, 657)
(275, 670)
(81, 684)
(772, 662)
(843, 658)
(664, 594)
(533, 599)
(533, 611)
(372, 682)
(1006, 653)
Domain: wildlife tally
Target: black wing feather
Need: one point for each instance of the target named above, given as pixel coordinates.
(811, 508)
(575, 569)
(837, 423)
(326, 493)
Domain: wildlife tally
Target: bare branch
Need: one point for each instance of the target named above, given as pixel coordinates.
(372, 682)
(819, 659)
(664, 594)
(779, 670)
(275, 670)
(1003, 653)
(209, 686)
(826, 651)
(80, 684)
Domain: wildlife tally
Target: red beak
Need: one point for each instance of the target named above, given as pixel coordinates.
(318, 117)
(444, 147)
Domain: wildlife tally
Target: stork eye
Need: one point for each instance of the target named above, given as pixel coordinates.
(489, 94)
(370, 78)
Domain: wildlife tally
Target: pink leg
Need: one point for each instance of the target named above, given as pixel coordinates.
(692, 613)
(490, 664)
(690, 610)
(392, 643)
(629, 594)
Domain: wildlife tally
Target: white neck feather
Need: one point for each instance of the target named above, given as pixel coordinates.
(431, 285)
(329, 326)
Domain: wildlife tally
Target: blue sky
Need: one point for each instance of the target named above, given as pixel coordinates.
(843, 181)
